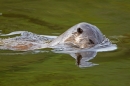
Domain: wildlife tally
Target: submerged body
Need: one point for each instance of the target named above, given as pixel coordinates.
(82, 35)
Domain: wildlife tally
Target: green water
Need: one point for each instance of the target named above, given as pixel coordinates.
(53, 17)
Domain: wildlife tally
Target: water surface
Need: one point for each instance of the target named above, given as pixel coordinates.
(46, 68)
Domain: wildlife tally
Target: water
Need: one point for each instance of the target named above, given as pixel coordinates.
(52, 67)
(46, 64)
(38, 62)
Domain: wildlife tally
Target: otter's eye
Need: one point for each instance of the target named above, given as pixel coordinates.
(91, 42)
(79, 30)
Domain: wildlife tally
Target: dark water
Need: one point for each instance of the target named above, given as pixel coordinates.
(45, 67)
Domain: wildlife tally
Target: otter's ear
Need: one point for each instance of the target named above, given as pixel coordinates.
(79, 30)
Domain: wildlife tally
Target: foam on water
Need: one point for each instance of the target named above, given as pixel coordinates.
(27, 39)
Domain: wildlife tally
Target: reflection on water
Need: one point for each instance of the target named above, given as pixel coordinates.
(82, 58)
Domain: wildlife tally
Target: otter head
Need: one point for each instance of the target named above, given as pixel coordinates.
(82, 35)
(80, 39)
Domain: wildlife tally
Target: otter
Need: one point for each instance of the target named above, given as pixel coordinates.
(81, 35)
